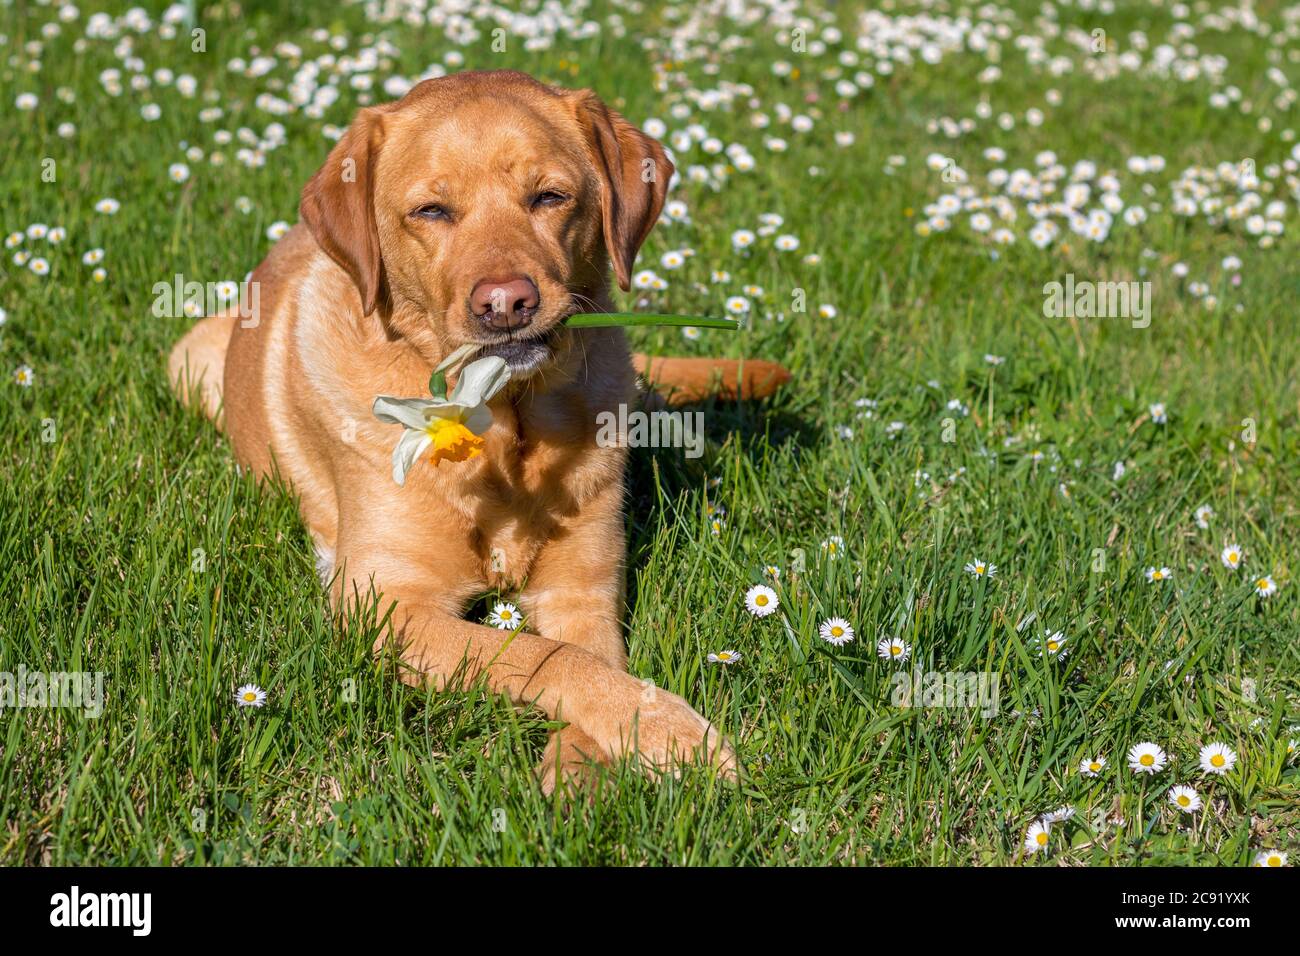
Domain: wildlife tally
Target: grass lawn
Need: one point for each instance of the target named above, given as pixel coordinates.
(937, 417)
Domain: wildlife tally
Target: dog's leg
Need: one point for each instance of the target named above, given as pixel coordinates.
(566, 681)
(575, 595)
(197, 363)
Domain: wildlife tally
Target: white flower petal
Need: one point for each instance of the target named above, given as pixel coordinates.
(409, 449)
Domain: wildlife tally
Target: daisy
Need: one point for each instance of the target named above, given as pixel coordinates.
(737, 305)
(690, 333)
(893, 649)
(250, 695)
(1092, 767)
(833, 546)
(1059, 815)
(178, 172)
(1265, 586)
(724, 657)
(505, 617)
(1231, 557)
(1036, 837)
(1217, 758)
(24, 376)
(1146, 758)
(1270, 858)
(1155, 575)
(39, 266)
(761, 600)
(1185, 799)
(772, 571)
(742, 239)
(981, 569)
(1203, 515)
(108, 207)
(836, 631)
(787, 243)
(1052, 644)
(1158, 413)
(93, 258)
(277, 230)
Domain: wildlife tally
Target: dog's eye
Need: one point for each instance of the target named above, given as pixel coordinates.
(431, 211)
(549, 197)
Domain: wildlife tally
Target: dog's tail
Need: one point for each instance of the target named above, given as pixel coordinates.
(681, 381)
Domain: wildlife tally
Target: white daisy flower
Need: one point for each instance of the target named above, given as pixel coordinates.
(761, 600)
(1217, 758)
(178, 172)
(1203, 515)
(893, 649)
(1231, 557)
(1156, 575)
(833, 546)
(1092, 766)
(250, 695)
(108, 207)
(1185, 799)
(1059, 815)
(505, 617)
(1158, 414)
(1037, 836)
(725, 657)
(737, 305)
(1265, 586)
(836, 631)
(24, 376)
(1270, 858)
(1146, 757)
(1052, 644)
(981, 569)
(742, 239)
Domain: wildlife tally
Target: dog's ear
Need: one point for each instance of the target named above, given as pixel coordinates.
(338, 205)
(634, 174)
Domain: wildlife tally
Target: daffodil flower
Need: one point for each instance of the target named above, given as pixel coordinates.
(450, 428)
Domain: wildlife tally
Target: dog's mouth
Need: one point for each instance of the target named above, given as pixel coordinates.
(524, 353)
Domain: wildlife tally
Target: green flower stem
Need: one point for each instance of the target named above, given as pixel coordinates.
(592, 320)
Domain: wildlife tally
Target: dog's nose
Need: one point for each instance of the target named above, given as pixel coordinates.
(506, 304)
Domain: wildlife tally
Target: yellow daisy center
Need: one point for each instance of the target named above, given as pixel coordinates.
(249, 695)
(1184, 800)
(895, 649)
(1094, 766)
(979, 569)
(837, 631)
(506, 615)
(761, 600)
(1274, 861)
(1041, 838)
(1262, 584)
(1232, 556)
(1217, 760)
(1146, 760)
(1052, 645)
(452, 441)
(1156, 576)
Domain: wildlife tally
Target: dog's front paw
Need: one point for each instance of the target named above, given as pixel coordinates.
(663, 731)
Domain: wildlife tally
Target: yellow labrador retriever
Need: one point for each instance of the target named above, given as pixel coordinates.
(481, 208)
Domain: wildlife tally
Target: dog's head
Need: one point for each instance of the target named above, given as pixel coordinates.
(486, 208)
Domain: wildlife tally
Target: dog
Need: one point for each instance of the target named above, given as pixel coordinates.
(487, 208)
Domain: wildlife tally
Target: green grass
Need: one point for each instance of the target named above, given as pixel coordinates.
(129, 545)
